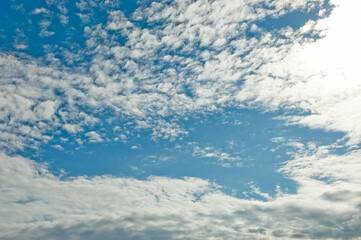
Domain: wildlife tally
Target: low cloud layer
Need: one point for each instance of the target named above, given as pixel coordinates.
(38, 205)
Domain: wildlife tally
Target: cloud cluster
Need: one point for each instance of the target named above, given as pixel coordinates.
(193, 57)
(36, 100)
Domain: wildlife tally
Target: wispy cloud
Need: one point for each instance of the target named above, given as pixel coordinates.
(222, 158)
(37, 11)
(44, 24)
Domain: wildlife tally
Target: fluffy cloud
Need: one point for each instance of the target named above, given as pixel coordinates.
(35, 100)
(36, 204)
(177, 67)
(94, 137)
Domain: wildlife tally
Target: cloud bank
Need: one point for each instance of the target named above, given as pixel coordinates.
(38, 205)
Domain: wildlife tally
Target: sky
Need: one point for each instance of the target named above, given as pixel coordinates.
(183, 119)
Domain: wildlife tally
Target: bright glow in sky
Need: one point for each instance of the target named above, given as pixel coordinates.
(340, 48)
(196, 119)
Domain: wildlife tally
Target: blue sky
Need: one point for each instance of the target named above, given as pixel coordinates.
(254, 156)
(179, 119)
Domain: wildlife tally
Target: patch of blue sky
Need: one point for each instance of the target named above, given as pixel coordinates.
(296, 19)
(129, 6)
(254, 145)
(25, 21)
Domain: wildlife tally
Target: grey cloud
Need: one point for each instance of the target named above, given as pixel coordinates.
(339, 196)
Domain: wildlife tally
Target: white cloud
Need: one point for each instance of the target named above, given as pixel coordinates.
(257, 190)
(44, 24)
(30, 102)
(94, 137)
(45, 110)
(35, 204)
(71, 128)
(278, 139)
(222, 158)
(37, 11)
(20, 46)
(59, 147)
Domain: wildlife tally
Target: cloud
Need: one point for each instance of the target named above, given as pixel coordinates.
(36, 204)
(44, 24)
(20, 46)
(71, 128)
(94, 137)
(35, 100)
(223, 158)
(45, 110)
(37, 11)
